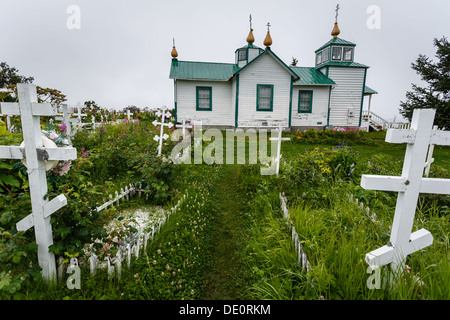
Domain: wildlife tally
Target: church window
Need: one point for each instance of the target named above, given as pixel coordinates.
(264, 97)
(204, 98)
(305, 101)
(348, 52)
(337, 53)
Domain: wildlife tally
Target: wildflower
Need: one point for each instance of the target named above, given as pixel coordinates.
(63, 127)
(162, 274)
(125, 120)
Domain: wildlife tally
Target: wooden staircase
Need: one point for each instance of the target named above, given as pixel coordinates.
(377, 123)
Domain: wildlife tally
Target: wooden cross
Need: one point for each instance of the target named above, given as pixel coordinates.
(128, 114)
(79, 113)
(162, 135)
(29, 110)
(279, 139)
(184, 126)
(67, 120)
(430, 158)
(409, 185)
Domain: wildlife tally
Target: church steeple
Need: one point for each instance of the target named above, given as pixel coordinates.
(268, 39)
(335, 32)
(250, 38)
(174, 52)
(248, 52)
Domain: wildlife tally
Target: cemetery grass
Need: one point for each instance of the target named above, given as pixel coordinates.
(229, 240)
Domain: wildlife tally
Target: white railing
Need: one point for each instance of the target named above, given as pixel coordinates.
(378, 123)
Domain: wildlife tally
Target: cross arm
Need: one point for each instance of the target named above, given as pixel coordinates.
(48, 208)
(385, 255)
(282, 139)
(399, 184)
(39, 109)
(438, 137)
(16, 152)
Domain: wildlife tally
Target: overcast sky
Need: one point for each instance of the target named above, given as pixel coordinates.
(120, 56)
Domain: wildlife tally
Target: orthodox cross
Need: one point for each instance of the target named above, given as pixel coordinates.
(409, 185)
(184, 126)
(35, 154)
(67, 120)
(337, 11)
(268, 26)
(279, 138)
(165, 113)
(250, 22)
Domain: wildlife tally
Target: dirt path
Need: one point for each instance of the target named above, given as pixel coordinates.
(225, 277)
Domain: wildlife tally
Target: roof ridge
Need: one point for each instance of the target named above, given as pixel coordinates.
(227, 63)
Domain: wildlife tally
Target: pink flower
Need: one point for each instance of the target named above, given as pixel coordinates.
(53, 135)
(125, 119)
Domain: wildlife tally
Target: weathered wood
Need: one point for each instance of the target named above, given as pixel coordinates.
(30, 110)
(409, 185)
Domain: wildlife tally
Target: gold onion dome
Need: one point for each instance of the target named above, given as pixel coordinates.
(250, 37)
(335, 32)
(174, 53)
(268, 39)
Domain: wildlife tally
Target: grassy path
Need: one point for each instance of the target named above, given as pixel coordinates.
(226, 274)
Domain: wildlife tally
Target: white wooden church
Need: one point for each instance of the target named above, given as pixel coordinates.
(259, 89)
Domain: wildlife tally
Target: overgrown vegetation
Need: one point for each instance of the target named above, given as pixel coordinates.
(229, 240)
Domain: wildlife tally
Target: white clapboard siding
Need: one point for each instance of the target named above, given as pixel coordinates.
(222, 109)
(319, 114)
(265, 70)
(346, 95)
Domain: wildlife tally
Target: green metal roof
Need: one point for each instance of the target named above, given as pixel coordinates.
(311, 76)
(202, 70)
(336, 41)
(368, 90)
(342, 64)
(250, 45)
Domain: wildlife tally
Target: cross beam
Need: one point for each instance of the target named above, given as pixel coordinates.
(409, 185)
(29, 111)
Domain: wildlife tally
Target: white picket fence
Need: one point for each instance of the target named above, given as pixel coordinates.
(301, 254)
(131, 246)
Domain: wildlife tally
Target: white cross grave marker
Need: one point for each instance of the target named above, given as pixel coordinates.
(184, 126)
(68, 121)
(279, 139)
(408, 186)
(29, 110)
(162, 135)
(80, 113)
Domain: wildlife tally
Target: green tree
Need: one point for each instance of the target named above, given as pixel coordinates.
(437, 93)
(9, 75)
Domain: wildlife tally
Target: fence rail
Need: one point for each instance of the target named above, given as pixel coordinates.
(301, 254)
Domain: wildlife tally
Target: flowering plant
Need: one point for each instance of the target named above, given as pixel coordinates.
(62, 142)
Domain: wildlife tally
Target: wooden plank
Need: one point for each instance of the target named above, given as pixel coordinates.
(383, 183)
